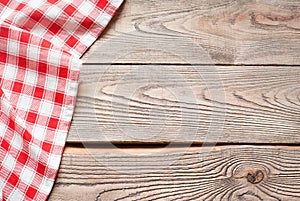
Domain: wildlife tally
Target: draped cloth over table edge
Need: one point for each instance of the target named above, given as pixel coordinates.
(40, 46)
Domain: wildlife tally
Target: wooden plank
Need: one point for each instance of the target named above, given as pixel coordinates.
(178, 103)
(223, 173)
(229, 32)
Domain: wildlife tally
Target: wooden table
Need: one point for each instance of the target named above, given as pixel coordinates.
(189, 100)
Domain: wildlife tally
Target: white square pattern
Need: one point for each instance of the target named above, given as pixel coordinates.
(103, 19)
(54, 57)
(5, 13)
(51, 83)
(3, 128)
(53, 12)
(39, 132)
(27, 175)
(46, 185)
(46, 108)
(9, 162)
(53, 161)
(16, 195)
(86, 7)
(24, 102)
(20, 19)
(31, 78)
(17, 141)
(39, 30)
(88, 38)
(13, 47)
(33, 52)
(10, 72)
(34, 152)
(35, 4)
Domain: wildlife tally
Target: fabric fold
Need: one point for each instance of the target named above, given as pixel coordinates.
(41, 43)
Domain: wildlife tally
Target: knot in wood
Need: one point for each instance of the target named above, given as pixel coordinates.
(255, 177)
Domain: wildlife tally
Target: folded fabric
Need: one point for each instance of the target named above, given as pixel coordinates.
(40, 46)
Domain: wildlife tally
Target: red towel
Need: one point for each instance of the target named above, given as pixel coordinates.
(40, 46)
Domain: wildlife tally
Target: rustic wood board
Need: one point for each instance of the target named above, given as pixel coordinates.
(184, 103)
(247, 173)
(228, 31)
(186, 72)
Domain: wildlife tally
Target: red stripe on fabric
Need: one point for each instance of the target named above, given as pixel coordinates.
(31, 117)
(41, 168)
(17, 87)
(39, 92)
(5, 145)
(27, 136)
(20, 6)
(3, 57)
(102, 4)
(87, 23)
(53, 122)
(72, 41)
(13, 179)
(22, 62)
(69, 10)
(55, 28)
(23, 157)
(59, 98)
(46, 146)
(36, 15)
(24, 37)
(63, 72)
(31, 192)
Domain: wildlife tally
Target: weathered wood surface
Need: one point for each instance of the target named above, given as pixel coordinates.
(225, 173)
(251, 96)
(229, 31)
(171, 103)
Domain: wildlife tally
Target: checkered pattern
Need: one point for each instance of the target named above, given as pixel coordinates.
(40, 45)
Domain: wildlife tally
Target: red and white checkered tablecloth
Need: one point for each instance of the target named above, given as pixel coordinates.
(41, 42)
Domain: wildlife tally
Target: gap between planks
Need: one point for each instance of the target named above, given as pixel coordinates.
(185, 64)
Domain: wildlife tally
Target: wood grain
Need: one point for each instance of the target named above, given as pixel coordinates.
(226, 31)
(251, 96)
(185, 104)
(244, 173)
